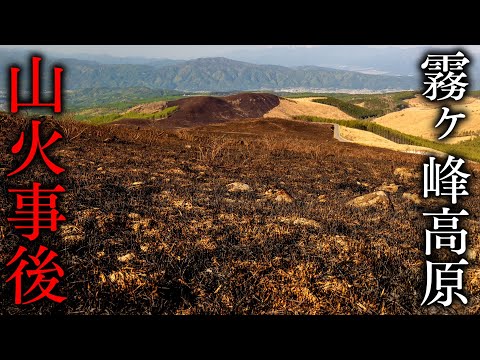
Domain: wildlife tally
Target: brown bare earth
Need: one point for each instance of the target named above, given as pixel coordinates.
(257, 216)
(274, 128)
(422, 115)
(202, 110)
(288, 108)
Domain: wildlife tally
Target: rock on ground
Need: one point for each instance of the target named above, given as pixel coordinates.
(281, 196)
(373, 199)
(237, 187)
(392, 188)
(406, 174)
(414, 198)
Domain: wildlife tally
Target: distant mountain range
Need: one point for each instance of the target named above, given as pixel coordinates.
(204, 74)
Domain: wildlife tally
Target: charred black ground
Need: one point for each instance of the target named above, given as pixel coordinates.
(153, 226)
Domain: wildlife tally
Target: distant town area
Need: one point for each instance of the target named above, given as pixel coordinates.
(3, 100)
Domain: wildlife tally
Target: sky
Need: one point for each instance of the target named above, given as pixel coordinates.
(177, 51)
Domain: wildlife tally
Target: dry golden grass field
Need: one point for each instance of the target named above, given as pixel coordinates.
(370, 139)
(304, 106)
(420, 119)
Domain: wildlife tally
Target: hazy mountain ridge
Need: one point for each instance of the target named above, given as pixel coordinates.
(222, 74)
(207, 74)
